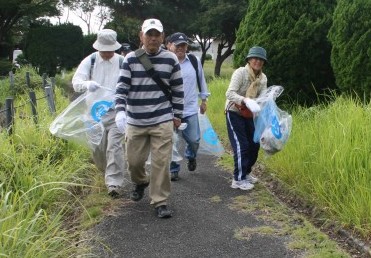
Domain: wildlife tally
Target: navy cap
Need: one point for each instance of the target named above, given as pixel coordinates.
(178, 38)
(125, 47)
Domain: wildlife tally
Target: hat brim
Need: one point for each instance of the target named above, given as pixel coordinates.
(178, 42)
(158, 28)
(100, 47)
(258, 56)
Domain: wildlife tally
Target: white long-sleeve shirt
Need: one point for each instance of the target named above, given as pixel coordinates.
(191, 92)
(105, 73)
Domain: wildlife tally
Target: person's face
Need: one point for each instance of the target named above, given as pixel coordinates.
(106, 55)
(180, 50)
(256, 64)
(152, 40)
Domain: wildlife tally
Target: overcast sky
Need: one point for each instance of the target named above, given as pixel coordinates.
(74, 19)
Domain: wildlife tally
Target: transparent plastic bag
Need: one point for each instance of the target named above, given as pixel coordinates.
(272, 125)
(81, 120)
(209, 142)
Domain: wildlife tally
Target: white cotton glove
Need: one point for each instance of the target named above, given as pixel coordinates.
(91, 85)
(182, 126)
(120, 120)
(252, 105)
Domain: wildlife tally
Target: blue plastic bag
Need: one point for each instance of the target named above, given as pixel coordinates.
(209, 142)
(272, 125)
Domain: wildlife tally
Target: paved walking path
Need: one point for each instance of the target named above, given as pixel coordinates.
(203, 223)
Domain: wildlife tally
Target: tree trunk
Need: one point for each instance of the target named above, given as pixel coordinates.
(220, 58)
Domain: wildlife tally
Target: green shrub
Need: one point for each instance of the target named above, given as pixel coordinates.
(20, 83)
(295, 37)
(49, 47)
(350, 36)
(208, 57)
(5, 67)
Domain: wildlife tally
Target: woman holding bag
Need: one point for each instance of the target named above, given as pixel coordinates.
(246, 84)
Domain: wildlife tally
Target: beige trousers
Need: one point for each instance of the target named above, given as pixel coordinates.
(157, 140)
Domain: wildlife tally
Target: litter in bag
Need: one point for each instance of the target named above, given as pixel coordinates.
(272, 125)
(209, 142)
(81, 120)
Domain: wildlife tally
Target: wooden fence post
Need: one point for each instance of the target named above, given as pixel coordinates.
(33, 106)
(49, 95)
(52, 81)
(9, 106)
(44, 80)
(28, 80)
(11, 78)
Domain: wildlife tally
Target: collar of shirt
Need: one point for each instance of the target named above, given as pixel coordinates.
(101, 60)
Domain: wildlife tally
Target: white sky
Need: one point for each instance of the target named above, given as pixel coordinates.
(74, 19)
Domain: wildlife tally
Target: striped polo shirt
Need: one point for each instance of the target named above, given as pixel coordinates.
(139, 95)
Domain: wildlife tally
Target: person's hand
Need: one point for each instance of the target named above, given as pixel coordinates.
(252, 105)
(91, 85)
(203, 107)
(120, 120)
(177, 122)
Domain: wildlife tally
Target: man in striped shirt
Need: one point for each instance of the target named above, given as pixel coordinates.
(148, 117)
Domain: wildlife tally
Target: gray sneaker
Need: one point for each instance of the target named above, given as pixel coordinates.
(251, 179)
(163, 212)
(243, 185)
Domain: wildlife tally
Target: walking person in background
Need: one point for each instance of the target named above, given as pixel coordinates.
(245, 85)
(148, 114)
(102, 69)
(195, 88)
(125, 49)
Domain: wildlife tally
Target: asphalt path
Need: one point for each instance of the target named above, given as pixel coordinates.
(200, 227)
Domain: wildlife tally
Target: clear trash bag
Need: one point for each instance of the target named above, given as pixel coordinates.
(81, 120)
(209, 142)
(272, 125)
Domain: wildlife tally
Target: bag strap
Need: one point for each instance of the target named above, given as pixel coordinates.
(147, 64)
(92, 62)
(194, 63)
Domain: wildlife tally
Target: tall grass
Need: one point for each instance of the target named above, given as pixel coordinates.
(225, 71)
(327, 158)
(40, 179)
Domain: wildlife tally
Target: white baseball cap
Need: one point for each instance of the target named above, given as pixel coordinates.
(150, 24)
(106, 41)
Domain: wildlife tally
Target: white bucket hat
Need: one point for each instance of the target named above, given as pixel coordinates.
(106, 41)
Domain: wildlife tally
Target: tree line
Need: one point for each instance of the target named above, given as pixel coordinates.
(313, 46)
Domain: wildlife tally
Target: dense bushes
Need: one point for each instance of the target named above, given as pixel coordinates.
(5, 67)
(350, 36)
(295, 37)
(51, 46)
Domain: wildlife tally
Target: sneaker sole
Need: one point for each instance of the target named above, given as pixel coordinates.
(244, 189)
(165, 216)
